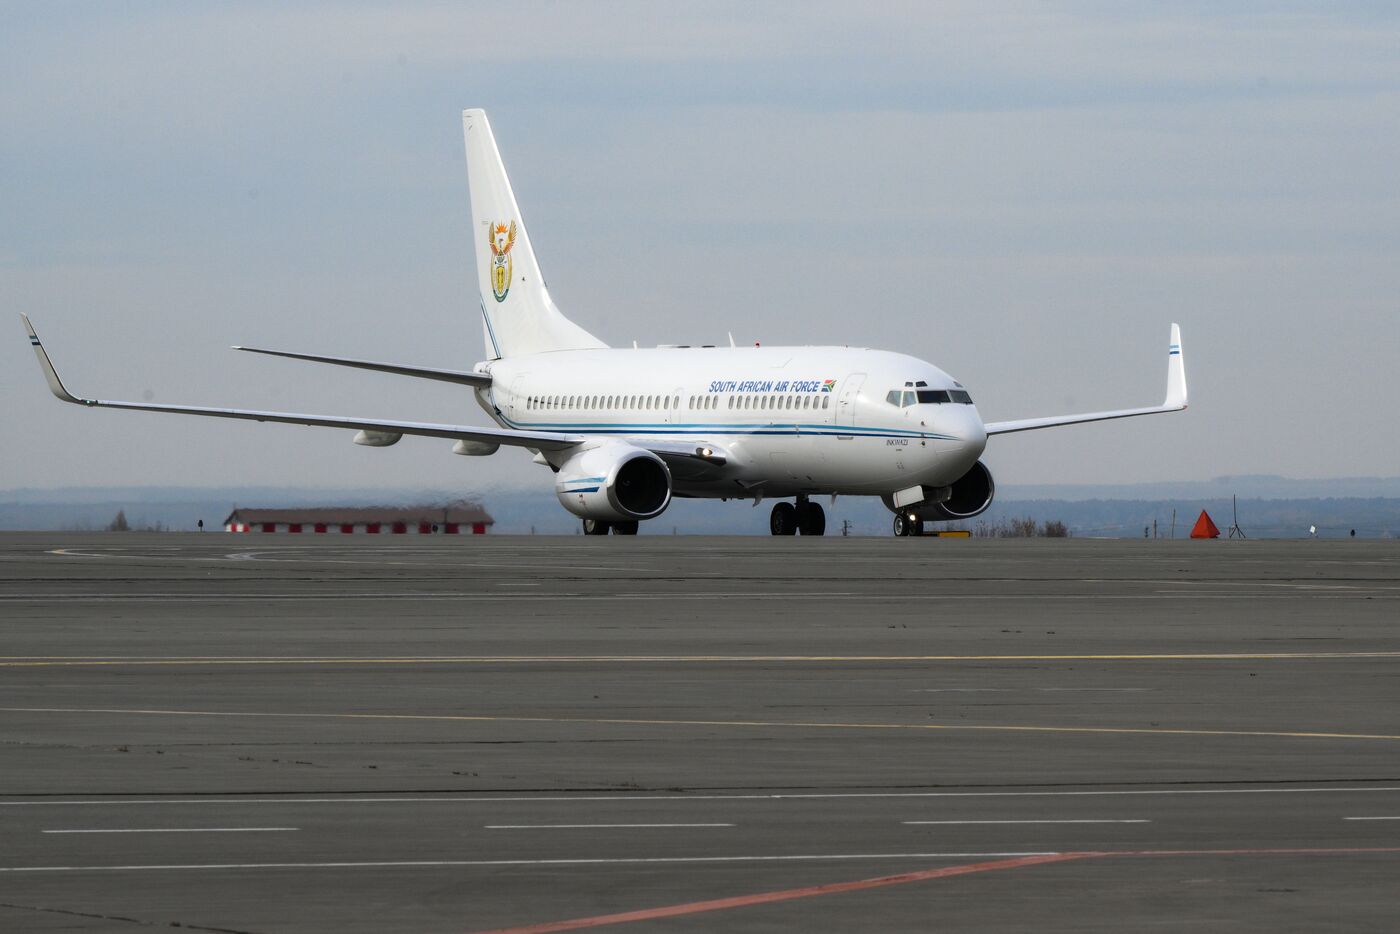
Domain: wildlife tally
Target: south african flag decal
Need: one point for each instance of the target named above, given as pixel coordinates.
(827, 385)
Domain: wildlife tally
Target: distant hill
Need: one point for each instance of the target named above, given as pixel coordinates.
(1269, 507)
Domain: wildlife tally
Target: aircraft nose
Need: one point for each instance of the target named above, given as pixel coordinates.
(963, 437)
(966, 426)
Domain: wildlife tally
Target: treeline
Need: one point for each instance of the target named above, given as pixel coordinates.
(1024, 527)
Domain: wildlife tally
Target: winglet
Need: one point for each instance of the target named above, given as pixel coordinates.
(55, 384)
(1176, 372)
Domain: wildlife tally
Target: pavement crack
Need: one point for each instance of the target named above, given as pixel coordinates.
(122, 918)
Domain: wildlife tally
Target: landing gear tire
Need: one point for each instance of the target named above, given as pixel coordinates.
(596, 526)
(783, 520)
(811, 519)
(905, 526)
(625, 528)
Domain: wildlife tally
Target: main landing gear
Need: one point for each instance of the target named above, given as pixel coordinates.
(906, 524)
(806, 517)
(603, 527)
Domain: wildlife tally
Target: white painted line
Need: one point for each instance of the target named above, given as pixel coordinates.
(182, 830)
(778, 796)
(589, 826)
(1095, 821)
(1371, 818)
(430, 863)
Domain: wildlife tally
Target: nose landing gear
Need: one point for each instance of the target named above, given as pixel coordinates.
(907, 524)
(806, 517)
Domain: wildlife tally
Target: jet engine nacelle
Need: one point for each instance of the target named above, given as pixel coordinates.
(971, 494)
(614, 481)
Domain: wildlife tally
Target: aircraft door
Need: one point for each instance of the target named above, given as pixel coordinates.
(673, 414)
(513, 404)
(846, 405)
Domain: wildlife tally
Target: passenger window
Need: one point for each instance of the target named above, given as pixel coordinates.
(826, 402)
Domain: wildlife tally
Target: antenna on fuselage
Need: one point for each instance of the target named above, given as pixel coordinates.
(731, 338)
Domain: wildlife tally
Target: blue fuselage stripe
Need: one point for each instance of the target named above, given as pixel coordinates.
(694, 428)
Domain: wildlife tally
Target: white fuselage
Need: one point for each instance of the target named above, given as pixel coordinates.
(791, 420)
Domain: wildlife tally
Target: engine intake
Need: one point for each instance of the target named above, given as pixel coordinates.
(971, 494)
(615, 482)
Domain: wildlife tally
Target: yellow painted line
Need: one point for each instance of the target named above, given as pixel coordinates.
(45, 661)
(765, 724)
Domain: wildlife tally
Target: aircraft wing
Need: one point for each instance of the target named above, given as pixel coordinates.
(540, 440)
(1174, 402)
(480, 380)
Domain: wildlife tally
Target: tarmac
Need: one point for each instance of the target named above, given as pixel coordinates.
(282, 733)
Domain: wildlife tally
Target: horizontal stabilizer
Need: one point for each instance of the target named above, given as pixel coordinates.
(479, 380)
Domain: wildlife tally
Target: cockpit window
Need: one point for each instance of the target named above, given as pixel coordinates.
(923, 396)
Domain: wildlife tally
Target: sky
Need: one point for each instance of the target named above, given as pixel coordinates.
(1026, 195)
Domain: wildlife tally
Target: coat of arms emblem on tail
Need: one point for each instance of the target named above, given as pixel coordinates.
(501, 238)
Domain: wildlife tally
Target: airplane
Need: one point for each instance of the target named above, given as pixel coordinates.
(625, 430)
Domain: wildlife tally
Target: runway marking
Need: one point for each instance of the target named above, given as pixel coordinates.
(761, 724)
(775, 796)
(591, 826)
(569, 861)
(741, 901)
(1371, 818)
(920, 823)
(662, 595)
(77, 661)
(652, 860)
(766, 898)
(377, 561)
(183, 830)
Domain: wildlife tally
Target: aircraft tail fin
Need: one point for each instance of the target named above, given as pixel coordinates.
(518, 315)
